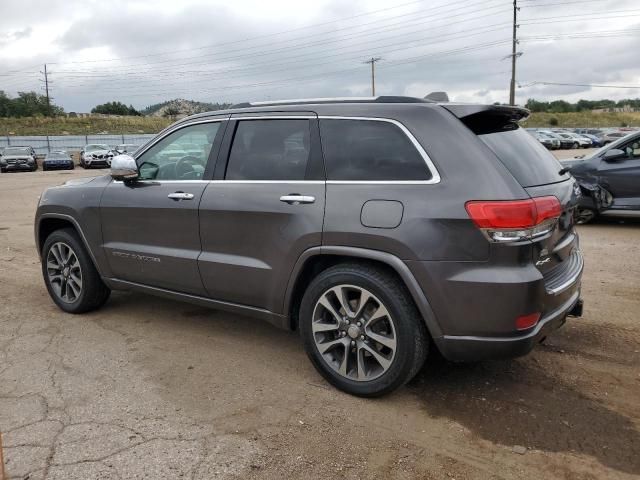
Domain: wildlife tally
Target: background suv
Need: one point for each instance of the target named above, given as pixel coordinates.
(18, 159)
(379, 228)
(95, 155)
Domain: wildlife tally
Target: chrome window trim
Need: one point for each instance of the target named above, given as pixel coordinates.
(159, 137)
(238, 117)
(435, 175)
(435, 179)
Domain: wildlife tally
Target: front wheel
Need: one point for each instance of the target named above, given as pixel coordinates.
(361, 330)
(576, 145)
(584, 215)
(69, 274)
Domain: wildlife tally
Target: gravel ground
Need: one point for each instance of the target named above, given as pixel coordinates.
(150, 388)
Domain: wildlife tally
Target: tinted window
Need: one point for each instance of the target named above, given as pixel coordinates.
(269, 150)
(181, 155)
(527, 160)
(369, 150)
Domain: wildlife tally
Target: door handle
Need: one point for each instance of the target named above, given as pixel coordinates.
(180, 196)
(295, 199)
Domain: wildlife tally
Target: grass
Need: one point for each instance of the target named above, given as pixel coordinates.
(583, 119)
(132, 125)
(81, 126)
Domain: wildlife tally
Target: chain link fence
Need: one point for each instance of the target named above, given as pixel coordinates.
(71, 143)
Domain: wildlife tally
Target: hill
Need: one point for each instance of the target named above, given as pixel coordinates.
(180, 107)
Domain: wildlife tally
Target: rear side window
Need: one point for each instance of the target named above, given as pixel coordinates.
(269, 150)
(370, 150)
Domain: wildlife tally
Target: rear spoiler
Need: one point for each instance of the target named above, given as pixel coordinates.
(483, 119)
(462, 110)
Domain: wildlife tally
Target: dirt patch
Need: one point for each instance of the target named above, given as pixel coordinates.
(150, 387)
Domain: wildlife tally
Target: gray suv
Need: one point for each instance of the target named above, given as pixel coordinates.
(379, 228)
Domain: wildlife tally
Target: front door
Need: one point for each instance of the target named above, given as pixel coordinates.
(622, 176)
(263, 210)
(150, 227)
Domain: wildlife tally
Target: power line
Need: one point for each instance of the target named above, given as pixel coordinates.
(593, 85)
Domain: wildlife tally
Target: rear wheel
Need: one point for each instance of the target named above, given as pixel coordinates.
(361, 330)
(69, 274)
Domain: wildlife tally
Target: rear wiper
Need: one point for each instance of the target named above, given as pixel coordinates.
(564, 170)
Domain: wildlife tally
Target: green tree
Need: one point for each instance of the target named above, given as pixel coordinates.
(115, 108)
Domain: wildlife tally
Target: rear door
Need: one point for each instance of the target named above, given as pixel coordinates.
(264, 208)
(150, 227)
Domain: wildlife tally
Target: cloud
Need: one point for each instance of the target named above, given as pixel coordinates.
(143, 52)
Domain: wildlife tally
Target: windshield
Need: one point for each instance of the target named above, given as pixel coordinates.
(16, 151)
(97, 147)
(527, 160)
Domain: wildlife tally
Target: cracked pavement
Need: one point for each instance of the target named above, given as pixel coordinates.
(150, 388)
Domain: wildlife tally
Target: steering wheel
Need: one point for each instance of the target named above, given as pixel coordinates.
(184, 166)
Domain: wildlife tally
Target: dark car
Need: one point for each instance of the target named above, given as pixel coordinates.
(18, 159)
(615, 168)
(564, 142)
(379, 228)
(58, 160)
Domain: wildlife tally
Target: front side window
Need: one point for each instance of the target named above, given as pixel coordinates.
(275, 149)
(370, 150)
(632, 149)
(181, 155)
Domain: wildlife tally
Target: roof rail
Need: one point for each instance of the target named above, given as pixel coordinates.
(303, 101)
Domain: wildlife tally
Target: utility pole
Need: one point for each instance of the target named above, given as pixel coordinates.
(512, 90)
(373, 61)
(46, 89)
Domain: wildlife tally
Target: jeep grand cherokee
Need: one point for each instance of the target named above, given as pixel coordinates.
(378, 228)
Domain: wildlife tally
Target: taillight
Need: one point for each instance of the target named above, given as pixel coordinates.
(514, 220)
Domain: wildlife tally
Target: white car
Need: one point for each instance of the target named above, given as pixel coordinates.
(96, 155)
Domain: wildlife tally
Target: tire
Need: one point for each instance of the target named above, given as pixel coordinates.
(90, 292)
(575, 145)
(584, 215)
(362, 374)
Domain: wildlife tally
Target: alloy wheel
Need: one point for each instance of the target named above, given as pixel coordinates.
(584, 215)
(64, 272)
(354, 332)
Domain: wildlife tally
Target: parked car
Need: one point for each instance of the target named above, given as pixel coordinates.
(126, 148)
(95, 155)
(564, 142)
(589, 131)
(416, 225)
(610, 137)
(18, 159)
(577, 141)
(595, 141)
(57, 160)
(614, 168)
(549, 142)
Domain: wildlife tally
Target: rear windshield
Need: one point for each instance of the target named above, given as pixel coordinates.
(523, 155)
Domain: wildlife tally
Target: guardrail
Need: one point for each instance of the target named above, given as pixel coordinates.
(71, 143)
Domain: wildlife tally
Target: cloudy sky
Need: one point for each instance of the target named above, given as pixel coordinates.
(143, 52)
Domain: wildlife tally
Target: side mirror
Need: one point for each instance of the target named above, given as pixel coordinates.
(613, 155)
(124, 167)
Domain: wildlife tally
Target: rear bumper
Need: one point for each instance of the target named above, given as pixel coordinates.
(474, 348)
